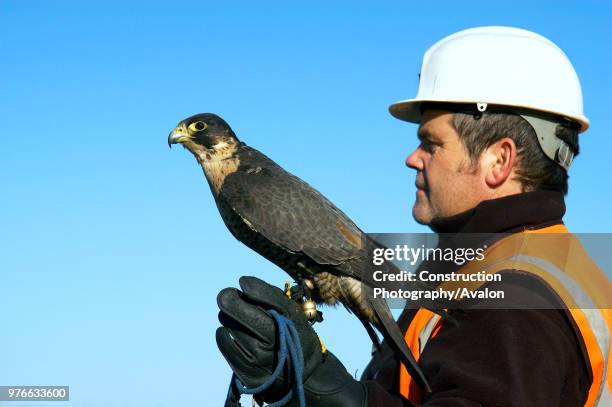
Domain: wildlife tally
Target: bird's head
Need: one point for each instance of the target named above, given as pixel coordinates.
(206, 135)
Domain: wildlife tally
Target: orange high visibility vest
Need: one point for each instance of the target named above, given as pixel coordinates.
(560, 261)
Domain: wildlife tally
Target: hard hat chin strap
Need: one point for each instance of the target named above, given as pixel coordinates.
(546, 132)
(554, 148)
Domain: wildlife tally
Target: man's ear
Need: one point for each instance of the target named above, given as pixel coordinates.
(499, 159)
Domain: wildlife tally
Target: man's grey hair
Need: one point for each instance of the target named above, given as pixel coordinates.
(535, 170)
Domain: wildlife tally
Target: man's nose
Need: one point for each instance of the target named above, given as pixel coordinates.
(415, 160)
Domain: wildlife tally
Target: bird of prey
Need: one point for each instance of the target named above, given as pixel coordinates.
(291, 224)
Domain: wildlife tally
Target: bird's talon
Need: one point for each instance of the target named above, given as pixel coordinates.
(288, 289)
(319, 317)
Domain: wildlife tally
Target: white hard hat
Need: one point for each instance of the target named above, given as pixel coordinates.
(500, 66)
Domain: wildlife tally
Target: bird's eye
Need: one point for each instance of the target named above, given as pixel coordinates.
(197, 126)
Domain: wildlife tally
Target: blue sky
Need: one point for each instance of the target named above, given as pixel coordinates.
(111, 248)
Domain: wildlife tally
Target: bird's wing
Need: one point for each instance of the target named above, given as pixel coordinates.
(289, 212)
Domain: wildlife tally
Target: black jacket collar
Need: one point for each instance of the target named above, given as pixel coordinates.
(513, 213)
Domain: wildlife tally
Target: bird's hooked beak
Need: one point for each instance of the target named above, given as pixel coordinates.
(178, 135)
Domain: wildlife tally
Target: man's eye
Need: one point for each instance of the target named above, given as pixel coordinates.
(428, 146)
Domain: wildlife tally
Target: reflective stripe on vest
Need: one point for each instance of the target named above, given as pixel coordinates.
(561, 263)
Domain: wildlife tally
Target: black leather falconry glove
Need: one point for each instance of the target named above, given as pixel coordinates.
(248, 340)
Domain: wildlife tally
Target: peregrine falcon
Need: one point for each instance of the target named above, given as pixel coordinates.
(291, 224)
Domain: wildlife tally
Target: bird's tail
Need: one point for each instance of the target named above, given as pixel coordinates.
(393, 335)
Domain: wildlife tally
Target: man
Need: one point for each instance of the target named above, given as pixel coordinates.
(500, 110)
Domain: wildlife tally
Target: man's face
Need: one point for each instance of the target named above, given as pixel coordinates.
(446, 181)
